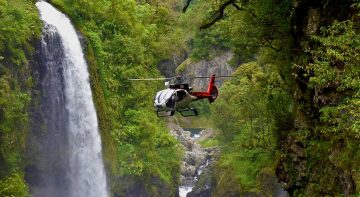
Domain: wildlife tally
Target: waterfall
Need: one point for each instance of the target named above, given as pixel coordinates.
(72, 164)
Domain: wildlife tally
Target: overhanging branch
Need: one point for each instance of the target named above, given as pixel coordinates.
(186, 5)
(219, 14)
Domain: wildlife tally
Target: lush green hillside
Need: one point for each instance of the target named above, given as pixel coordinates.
(293, 110)
(19, 28)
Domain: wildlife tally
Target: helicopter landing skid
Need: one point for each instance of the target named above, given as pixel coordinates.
(184, 112)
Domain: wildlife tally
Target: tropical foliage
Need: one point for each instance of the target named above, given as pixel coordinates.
(296, 114)
(19, 27)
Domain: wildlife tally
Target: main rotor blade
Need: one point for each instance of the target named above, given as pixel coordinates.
(150, 79)
(210, 77)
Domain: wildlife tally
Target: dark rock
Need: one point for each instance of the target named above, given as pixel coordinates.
(168, 67)
(205, 183)
(46, 150)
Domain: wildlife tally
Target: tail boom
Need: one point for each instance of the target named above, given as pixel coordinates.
(210, 94)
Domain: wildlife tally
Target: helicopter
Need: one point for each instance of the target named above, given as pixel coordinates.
(178, 96)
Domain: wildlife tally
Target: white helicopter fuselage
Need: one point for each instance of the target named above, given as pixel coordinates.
(172, 99)
(178, 96)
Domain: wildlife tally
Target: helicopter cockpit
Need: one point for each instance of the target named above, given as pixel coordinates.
(165, 100)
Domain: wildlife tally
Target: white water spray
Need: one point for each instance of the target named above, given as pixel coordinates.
(87, 174)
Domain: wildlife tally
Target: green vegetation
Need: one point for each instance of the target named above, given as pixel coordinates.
(209, 142)
(247, 115)
(14, 185)
(292, 113)
(19, 27)
(336, 67)
(293, 110)
(332, 143)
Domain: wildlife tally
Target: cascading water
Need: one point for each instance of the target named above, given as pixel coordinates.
(72, 164)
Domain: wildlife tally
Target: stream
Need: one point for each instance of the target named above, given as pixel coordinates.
(195, 160)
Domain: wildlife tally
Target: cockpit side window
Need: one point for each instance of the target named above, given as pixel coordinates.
(181, 95)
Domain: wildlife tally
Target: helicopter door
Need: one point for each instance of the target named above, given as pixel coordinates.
(183, 99)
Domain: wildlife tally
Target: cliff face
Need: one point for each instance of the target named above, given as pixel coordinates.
(168, 67)
(308, 150)
(219, 66)
(47, 141)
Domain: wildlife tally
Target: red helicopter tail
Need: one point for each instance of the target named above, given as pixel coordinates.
(211, 93)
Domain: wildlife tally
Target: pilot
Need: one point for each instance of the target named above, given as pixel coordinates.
(178, 80)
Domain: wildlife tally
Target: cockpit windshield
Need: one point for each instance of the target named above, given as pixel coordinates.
(164, 97)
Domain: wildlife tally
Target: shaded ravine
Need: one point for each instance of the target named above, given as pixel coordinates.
(196, 158)
(197, 177)
(67, 144)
